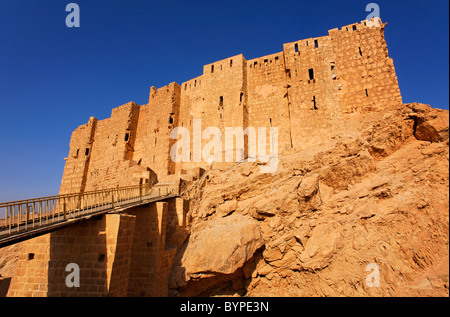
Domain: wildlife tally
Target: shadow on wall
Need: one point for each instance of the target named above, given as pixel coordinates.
(119, 255)
(4, 286)
(85, 246)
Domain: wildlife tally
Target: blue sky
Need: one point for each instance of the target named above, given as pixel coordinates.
(53, 78)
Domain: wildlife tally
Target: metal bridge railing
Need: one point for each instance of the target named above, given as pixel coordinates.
(26, 214)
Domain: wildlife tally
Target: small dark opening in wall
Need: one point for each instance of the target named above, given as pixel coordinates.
(221, 116)
(360, 52)
(311, 73)
(231, 63)
(354, 28)
(127, 137)
(221, 101)
(30, 256)
(276, 58)
(316, 43)
(241, 96)
(78, 151)
(171, 120)
(367, 93)
(87, 151)
(185, 86)
(296, 48)
(212, 68)
(307, 43)
(314, 103)
(101, 258)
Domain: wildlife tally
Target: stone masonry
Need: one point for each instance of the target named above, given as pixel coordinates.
(303, 91)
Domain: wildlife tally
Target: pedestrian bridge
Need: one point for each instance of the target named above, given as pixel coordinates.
(26, 219)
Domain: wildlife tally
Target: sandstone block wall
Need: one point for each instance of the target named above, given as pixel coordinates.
(303, 90)
(118, 255)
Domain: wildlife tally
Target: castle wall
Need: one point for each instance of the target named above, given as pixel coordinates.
(303, 91)
(364, 69)
(217, 98)
(268, 102)
(156, 120)
(100, 248)
(77, 162)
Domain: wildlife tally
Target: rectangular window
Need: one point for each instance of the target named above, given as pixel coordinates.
(314, 103)
(231, 63)
(367, 93)
(360, 52)
(354, 28)
(311, 73)
(316, 43)
(296, 48)
(212, 68)
(241, 96)
(221, 102)
(127, 137)
(87, 151)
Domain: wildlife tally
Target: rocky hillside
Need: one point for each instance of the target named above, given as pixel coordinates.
(375, 192)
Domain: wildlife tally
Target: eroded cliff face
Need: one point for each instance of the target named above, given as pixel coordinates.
(375, 192)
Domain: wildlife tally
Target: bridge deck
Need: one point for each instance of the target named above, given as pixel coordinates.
(29, 218)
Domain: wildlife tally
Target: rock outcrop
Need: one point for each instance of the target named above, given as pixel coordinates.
(375, 193)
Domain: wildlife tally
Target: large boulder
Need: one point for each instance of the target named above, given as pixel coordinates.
(223, 246)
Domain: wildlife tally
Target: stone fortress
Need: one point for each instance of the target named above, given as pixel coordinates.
(303, 90)
(363, 179)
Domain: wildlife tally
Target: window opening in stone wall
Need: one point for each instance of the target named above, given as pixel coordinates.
(360, 52)
(333, 71)
(241, 96)
(314, 103)
(101, 257)
(127, 137)
(30, 256)
(171, 119)
(87, 152)
(311, 73)
(231, 63)
(307, 43)
(316, 43)
(78, 151)
(367, 93)
(296, 48)
(212, 68)
(354, 28)
(221, 102)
